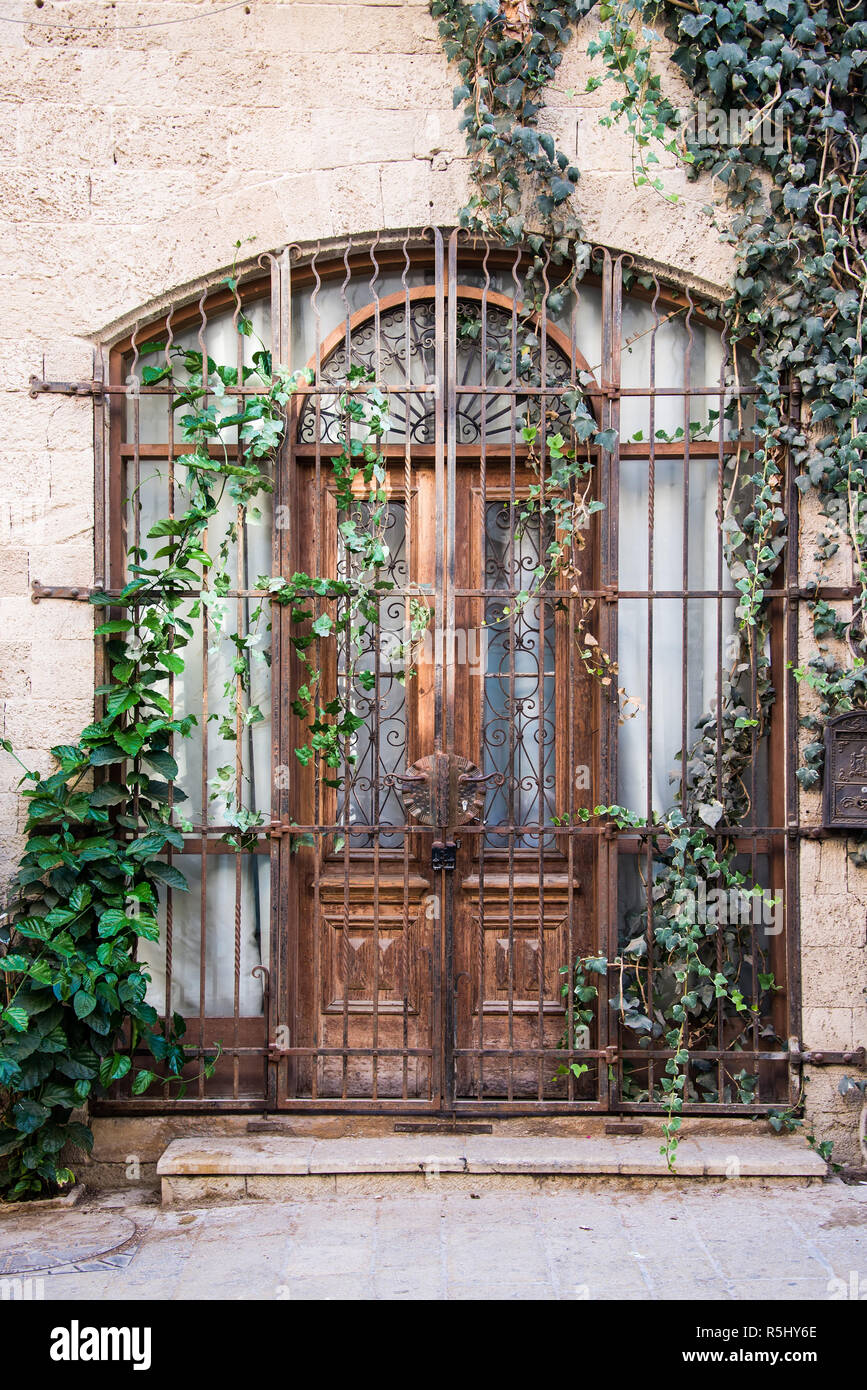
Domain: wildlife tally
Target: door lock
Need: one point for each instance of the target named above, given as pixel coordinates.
(444, 855)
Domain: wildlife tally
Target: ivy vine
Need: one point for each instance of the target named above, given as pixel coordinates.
(75, 1011)
(75, 1014)
(795, 314)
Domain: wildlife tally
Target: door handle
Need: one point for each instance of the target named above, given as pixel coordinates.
(477, 778)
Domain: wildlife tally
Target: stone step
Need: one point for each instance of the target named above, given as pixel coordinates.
(277, 1166)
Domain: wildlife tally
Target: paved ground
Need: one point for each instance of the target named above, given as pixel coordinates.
(726, 1242)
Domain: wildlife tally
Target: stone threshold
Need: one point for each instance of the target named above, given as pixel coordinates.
(282, 1167)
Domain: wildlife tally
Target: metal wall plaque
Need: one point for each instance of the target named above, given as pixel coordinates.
(846, 771)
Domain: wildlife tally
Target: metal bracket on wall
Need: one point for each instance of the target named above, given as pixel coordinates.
(40, 591)
(39, 387)
(855, 1058)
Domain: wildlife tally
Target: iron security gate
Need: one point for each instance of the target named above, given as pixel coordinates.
(452, 928)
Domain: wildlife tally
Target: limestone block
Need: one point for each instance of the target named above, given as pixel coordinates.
(832, 1116)
(32, 723)
(58, 422)
(169, 136)
(828, 1028)
(191, 1157)
(823, 867)
(835, 570)
(117, 1136)
(832, 978)
(67, 661)
(426, 193)
(38, 196)
(246, 148)
(21, 619)
(161, 74)
(14, 671)
(856, 883)
(20, 358)
(832, 920)
(34, 759)
(127, 195)
(577, 67)
(24, 523)
(200, 1189)
(354, 196)
(56, 133)
(14, 573)
(615, 212)
(405, 81)
(365, 136)
(359, 28)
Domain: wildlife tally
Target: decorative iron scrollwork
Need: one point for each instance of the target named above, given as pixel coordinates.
(444, 789)
(406, 353)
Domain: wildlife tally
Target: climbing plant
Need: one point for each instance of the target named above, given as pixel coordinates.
(787, 147)
(75, 1015)
(97, 853)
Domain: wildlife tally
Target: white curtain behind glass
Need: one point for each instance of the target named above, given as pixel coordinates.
(221, 341)
(670, 567)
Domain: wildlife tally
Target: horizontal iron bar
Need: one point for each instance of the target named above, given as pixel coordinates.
(708, 1055)
(609, 1054)
(414, 388)
(440, 1127)
(732, 1108)
(628, 840)
(349, 1052)
(610, 594)
(391, 827)
(466, 1109)
(324, 1105)
(143, 1105)
(423, 455)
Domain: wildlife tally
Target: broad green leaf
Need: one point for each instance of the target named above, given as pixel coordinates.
(83, 1003)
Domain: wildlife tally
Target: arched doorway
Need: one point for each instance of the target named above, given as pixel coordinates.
(409, 939)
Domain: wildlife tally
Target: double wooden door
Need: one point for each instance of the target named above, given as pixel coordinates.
(430, 909)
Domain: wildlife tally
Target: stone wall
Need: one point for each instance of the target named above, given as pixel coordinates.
(134, 158)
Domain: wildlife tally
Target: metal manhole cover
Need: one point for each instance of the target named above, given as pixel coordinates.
(75, 1240)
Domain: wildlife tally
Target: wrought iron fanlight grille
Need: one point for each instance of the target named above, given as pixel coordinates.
(399, 347)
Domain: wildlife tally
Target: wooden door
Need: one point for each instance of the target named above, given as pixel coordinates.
(430, 906)
(524, 714)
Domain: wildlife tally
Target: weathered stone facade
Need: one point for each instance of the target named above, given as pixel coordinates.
(132, 160)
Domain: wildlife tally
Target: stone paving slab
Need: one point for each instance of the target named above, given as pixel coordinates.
(722, 1241)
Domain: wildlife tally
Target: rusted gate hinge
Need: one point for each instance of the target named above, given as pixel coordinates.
(856, 1057)
(39, 386)
(78, 595)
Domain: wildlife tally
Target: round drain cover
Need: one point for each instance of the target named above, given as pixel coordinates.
(34, 1240)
